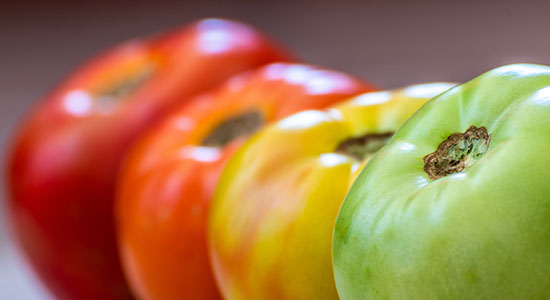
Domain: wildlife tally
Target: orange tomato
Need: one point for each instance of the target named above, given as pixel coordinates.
(169, 177)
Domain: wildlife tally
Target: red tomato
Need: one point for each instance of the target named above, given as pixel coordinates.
(65, 158)
(168, 179)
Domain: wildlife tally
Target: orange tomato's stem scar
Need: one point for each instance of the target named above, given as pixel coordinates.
(234, 127)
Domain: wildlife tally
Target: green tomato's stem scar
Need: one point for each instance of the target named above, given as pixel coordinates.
(458, 152)
(364, 146)
(234, 127)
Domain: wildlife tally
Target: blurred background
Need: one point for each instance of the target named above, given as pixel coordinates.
(390, 43)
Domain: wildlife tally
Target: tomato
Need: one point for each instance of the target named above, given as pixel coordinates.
(169, 178)
(456, 205)
(274, 209)
(66, 155)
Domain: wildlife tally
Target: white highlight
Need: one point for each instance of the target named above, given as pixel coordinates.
(427, 90)
(373, 98)
(304, 119)
(406, 147)
(78, 103)
(459, 176)
(542, 96)
(324, 84)
(203, 154)
(333, 159)
(218, 36)
(315, 81)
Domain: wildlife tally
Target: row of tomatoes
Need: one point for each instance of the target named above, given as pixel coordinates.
(126, 173)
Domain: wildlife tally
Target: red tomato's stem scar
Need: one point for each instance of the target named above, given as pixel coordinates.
(125, 86)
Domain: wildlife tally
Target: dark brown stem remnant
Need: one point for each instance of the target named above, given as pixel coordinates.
(126, 86)
(234, 127)
(458, 152)
(364, 146)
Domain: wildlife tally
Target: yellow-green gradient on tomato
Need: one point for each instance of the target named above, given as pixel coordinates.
(274, 209)
(457, 204)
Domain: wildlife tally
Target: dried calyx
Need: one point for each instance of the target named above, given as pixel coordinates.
(458, 152)
(234, 127)
(364, 146)
(125, 87)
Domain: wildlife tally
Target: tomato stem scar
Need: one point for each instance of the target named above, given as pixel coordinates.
(458, 152)
(126, 86)
(364, 146)
(234, 127)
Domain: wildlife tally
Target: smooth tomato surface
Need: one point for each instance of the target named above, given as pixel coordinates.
(169, 178)
(66, 154)
(275, 205)
(457, 204)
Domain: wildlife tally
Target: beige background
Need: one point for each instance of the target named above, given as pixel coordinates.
(390, 43)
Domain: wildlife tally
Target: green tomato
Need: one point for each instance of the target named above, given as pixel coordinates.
(457, 204)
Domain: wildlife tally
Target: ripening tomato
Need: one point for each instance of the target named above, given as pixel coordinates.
(66, 155)
(169, 177)
(276, 203)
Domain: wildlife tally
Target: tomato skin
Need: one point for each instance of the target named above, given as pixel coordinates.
(276, 202)
(65, 157)
(169, 177)
(477, 232)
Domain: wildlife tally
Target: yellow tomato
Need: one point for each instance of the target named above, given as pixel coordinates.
(276, 203)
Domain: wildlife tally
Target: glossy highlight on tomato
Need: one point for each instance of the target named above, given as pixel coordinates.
(66, 155)
(170, 176)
